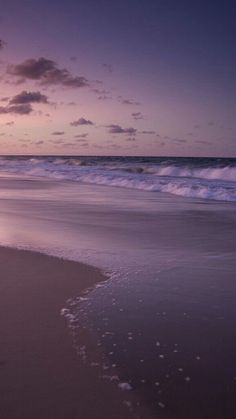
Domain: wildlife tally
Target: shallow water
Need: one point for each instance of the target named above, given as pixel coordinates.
(166, 318)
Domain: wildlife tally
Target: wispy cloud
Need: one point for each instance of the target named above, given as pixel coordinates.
(46, 72)
(58, 133)
(129, 102)
(81, 121)
(137, 115)
(179, 140)
(81, 140)
(104, 97)
(108, 67)
(148, 132)
(126, 101)
(81, 135)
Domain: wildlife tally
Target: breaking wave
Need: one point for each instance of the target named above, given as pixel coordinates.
(197, 178)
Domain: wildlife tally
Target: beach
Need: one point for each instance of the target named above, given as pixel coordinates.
(42, 375)
(148, 332)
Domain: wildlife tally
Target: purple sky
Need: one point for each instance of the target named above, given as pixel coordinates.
(132, 77)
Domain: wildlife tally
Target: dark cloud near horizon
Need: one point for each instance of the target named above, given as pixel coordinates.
(104, 97)
(81, 121)
(202, 142)
(58, 133)
(28, 97)
(148, 132)
(81, 135)
(81, 140)
(2, 43)
(57, 141)
(117, 129)
(46, 72)
(24, 109)
(179, 140)
(10, 123)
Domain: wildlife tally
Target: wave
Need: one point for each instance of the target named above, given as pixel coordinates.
(208, 179)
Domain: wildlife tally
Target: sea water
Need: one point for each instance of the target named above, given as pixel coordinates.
(164, 231)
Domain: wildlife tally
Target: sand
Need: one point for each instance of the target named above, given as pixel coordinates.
(41, 374)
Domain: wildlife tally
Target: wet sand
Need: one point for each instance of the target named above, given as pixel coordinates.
(41, 374)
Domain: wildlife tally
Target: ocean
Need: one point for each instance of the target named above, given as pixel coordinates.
(209, 178)
(163, 230)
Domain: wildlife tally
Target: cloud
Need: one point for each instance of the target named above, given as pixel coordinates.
(148, 132)
(5, 99)
(46, 72)
(117, 129)
(104, 97)
(178, 140)
(29, 97)
(40, 142)
(58, 133)
(23, 109)
(2, 43)
(202, 142)
(81, 140)
(10, 123)
(129, 102)
(108, 67)
(81, 135)
(101, 91)
(137, 115)
(81, 121)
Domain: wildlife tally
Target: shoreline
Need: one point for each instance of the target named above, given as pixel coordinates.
(42, 376)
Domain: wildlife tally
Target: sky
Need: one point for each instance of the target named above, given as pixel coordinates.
(105, 77)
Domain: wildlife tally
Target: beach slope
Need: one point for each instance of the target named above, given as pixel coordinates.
(41, 374)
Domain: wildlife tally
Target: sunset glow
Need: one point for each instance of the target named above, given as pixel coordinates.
(153, 78)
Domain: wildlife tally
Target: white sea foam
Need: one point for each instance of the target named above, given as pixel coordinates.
(125, 386)
(210, 180)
